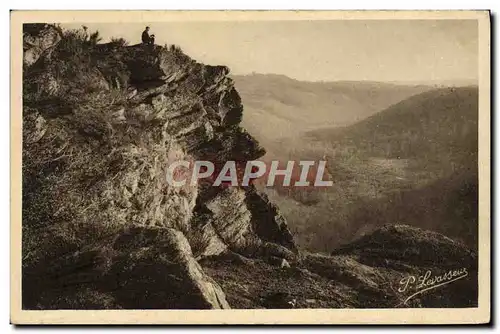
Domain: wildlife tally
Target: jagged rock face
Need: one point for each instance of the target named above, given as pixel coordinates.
(203, 110)
(37, 39)
(255, 229)
(97, 140)
(166, 274)
(268, 222)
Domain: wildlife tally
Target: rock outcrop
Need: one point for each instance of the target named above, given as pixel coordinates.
(150, 268)
(381, 270)
(102, 124)
(37, 40)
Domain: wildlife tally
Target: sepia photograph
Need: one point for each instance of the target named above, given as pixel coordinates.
(306, 164)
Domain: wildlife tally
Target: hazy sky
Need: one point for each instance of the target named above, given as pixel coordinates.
(380, 50)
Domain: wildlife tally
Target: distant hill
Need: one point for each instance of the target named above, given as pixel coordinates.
(440, 124)
(436, 132)
(277, 106)
(414, 163)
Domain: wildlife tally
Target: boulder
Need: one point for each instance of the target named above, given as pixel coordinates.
(37, 39)
(34, 126)
(142, 268)
(278, 261)
(158, 264)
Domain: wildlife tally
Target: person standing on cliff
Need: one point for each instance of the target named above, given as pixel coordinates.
(145, 36)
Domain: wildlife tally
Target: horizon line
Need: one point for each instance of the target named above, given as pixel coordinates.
(431, 82)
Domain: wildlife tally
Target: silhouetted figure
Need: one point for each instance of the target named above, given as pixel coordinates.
(152, 40)
(145, 36)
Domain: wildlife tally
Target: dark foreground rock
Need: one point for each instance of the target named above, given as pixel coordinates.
(374, 272)
(150, 268)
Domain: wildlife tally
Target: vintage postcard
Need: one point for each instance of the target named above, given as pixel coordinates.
(248, 167)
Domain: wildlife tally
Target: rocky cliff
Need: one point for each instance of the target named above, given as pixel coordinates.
(102, 228)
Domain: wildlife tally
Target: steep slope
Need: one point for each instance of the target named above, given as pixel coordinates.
(103, 229)
(448, 205)
(437, 125)
(414, 163)
(434, 136)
